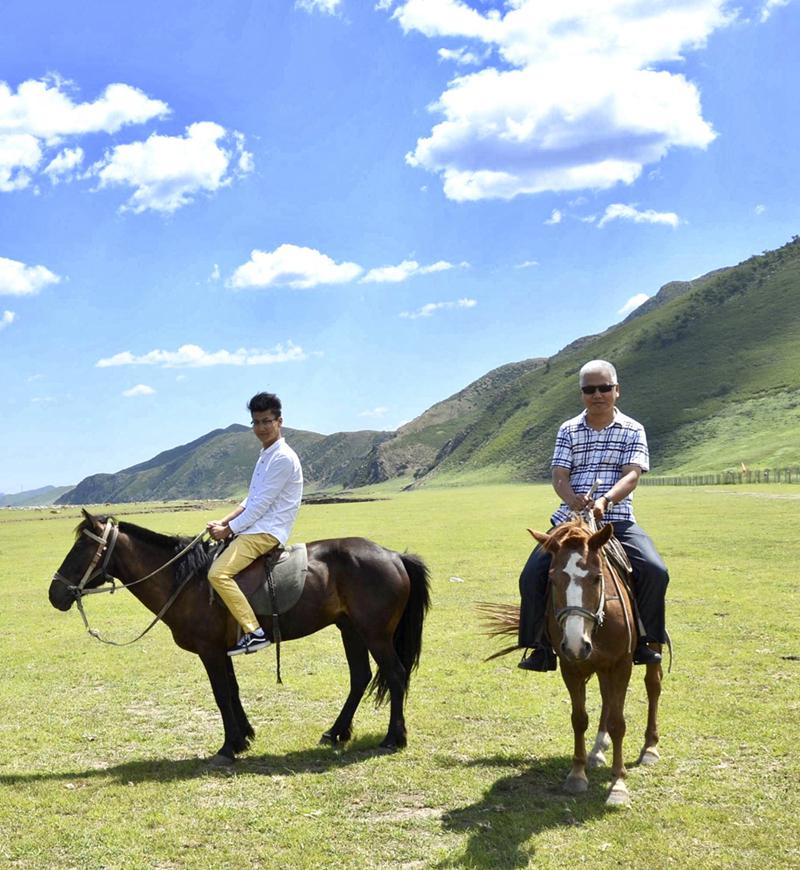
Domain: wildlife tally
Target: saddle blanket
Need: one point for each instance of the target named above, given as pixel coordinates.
(288, 577)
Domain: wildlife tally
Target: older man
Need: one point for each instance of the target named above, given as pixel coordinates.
(601, 444)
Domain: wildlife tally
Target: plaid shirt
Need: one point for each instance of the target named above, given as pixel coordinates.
(589, 454)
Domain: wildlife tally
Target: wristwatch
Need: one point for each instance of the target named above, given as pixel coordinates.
(609, 501)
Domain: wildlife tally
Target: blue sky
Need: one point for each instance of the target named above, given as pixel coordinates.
(362, 206)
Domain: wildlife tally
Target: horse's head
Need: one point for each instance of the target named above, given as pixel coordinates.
(576, 579)
(85, 565)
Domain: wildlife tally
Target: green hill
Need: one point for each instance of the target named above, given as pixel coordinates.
(41, 497)
(711, 368)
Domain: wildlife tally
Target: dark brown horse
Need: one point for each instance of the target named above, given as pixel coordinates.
(592, 626)
(377, 598)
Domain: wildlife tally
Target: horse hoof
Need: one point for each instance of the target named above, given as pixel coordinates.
(596, 759)
(618, 797)
(649, 756)
(576, 784)
(220, 761)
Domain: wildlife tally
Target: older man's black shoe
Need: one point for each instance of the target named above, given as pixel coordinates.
(541, 659)
(643, 655)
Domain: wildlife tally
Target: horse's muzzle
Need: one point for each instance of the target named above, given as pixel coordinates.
(62, 596)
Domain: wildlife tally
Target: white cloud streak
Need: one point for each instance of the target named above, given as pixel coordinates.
(633, 303)
(770, 6)
(375, 413)
(63, 166)
(403, 271)
(328, 7)
(193, 356)
(293, 266)
(555, 218)
(138, 390)
(168, 172)
(17, 279)
(7, 319)
(618, 211)
(576, 99)
(431, 308)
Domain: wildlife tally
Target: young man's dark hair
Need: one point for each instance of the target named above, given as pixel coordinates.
(265, 402)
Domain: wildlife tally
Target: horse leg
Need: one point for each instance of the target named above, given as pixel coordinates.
(597, 757)
(652, 682)
(216, 665)
(238, 711)
(360, 674)
(394, 674)
(577, 782)
(614, 686)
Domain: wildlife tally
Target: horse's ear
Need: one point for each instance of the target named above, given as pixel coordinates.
(90, 519)
(602, 537)
(543, 539)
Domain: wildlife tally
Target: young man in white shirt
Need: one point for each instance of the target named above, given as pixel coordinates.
(262, 521)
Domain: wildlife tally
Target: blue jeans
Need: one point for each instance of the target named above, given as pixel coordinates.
(650, 580)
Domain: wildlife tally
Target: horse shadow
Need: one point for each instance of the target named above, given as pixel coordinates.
(317, 759)
(517, 807)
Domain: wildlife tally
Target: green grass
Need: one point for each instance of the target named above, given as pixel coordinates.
(102, 748)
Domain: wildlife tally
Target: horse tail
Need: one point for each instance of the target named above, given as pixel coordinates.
(499, 620)
(408, 634)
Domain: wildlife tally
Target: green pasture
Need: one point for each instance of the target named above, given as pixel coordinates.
(102, 749)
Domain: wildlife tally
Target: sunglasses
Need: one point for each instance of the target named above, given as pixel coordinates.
(603, 388)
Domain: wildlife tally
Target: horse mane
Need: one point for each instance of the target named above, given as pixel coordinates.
(196, 561)
(574, 532)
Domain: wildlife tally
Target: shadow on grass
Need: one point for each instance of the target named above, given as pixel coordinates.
(520, 806)
(317, 759)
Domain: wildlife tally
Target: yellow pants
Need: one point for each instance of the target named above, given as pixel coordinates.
(243, 550)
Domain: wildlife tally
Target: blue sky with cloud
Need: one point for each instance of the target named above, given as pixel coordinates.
(360, 205)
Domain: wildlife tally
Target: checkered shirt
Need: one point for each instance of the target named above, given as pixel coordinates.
(589, 454)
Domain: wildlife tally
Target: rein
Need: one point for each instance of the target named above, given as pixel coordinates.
(106, 545)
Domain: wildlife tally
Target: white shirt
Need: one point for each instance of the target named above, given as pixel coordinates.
(273, 499)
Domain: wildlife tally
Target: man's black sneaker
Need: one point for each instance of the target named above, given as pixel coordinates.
(250, 643)
(541, 659)
(643, 655)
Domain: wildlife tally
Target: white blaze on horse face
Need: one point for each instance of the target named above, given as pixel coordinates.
(575, 634)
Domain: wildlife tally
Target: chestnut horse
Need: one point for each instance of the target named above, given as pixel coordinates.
(377, 598)
(591, 623)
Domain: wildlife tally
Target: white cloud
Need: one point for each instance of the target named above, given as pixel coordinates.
(17, 279)
(432, 307)
(760, 209)
(41, 113)
(138, 390)
(215, 273)
(632, 303)
(404, 271)
(167, 172)
(294, 266)
(64, 164)
(555, 218)
(770, 6)
(461, 56)
(193, 356)
(618, 211)
(375, 413)
(577, 99)
(329, 7)
(527, 264)
(7, 319)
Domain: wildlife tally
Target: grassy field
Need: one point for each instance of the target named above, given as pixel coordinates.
(102, 748)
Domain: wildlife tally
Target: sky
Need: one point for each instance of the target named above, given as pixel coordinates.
(361, 206)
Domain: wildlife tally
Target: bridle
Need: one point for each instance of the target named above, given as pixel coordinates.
(596, 617)
(105, 548)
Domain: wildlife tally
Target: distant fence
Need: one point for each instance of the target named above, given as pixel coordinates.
(765, 475)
